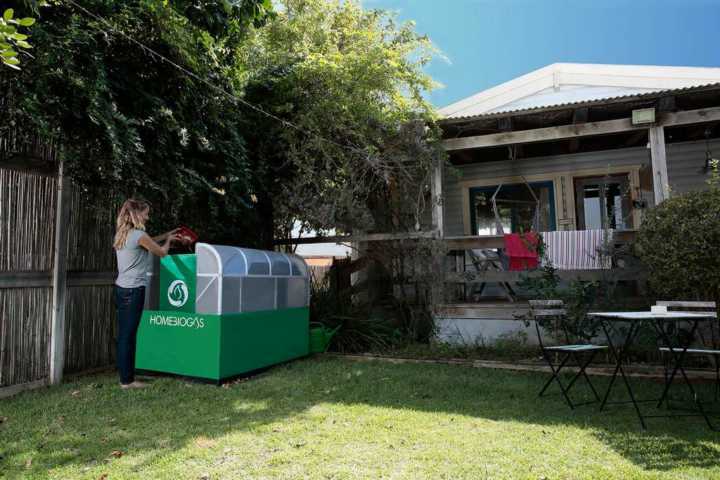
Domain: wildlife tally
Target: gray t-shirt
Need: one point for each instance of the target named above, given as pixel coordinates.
(133, 262)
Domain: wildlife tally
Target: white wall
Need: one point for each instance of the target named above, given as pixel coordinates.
(482, 331)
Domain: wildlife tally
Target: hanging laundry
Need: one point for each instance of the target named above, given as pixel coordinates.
(577, 249)
(522, 250)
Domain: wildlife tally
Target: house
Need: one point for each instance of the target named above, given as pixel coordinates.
(570, 148)
(320, 256)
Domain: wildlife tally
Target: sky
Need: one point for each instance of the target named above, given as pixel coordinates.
(487, 42)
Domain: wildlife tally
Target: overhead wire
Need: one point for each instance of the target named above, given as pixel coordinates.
(210, 84)
(356, 151)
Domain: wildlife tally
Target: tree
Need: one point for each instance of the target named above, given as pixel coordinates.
(360, 142)
(130, 122)
(353, 148)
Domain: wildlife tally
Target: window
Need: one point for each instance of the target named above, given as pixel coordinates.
(516, 208)
(603, 202)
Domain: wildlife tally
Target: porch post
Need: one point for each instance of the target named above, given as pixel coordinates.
(59, 279)
(438, 219)
(437, 288)
(661, 187)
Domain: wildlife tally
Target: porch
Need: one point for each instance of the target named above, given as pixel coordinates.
(483, 307)
(573, 167)
(593, 165)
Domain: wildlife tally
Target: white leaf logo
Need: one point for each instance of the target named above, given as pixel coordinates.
(177, 293)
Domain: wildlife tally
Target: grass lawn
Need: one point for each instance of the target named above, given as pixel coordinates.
(333, 418)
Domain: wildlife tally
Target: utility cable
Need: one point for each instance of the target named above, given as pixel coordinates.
(210, 84)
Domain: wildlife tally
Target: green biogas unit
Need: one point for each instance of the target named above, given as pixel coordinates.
(223, 311)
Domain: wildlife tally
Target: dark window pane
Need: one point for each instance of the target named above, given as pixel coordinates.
(603, 202)
(516, 208)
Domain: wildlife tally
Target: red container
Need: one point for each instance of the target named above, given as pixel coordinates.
(187, 236)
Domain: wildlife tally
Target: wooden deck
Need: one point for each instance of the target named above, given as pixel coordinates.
(504, 310)
(483, 310)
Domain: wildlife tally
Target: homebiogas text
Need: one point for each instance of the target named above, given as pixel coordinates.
(177, 321)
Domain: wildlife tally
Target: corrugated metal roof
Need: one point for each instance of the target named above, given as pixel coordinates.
(561, 85)
(584, 102)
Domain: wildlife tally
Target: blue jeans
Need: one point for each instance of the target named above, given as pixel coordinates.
(129, 303)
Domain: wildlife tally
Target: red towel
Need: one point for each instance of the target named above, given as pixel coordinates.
(521, 250)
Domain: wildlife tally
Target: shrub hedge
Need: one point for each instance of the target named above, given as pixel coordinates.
(679, 243)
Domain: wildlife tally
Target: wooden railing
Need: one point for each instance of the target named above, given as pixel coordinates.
(463, 276)
(453, 242)
(448, 274)
(496, 241)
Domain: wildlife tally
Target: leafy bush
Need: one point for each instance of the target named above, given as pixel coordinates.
(366, 326)
(678, 244)
(359, 331)
(579, 297)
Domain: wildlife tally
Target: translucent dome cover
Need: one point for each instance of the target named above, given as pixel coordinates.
(233, 280)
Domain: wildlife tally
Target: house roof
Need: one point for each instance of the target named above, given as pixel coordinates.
(562, 84)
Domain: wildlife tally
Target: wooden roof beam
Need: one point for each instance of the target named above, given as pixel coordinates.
(562, 132)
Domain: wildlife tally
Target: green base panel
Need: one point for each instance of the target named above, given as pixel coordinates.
(215, 347)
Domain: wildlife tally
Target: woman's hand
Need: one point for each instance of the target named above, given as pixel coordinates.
(173, 237)
(164, 236)
(159, 248)
(151, 245)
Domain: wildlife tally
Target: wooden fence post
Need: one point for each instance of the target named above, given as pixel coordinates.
(59, 281)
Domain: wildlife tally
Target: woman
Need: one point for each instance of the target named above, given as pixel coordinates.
(134, 249)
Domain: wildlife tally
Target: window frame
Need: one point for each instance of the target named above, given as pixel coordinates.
(625, 181)
(473, 191)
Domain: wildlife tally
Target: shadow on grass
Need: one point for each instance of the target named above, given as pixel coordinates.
(666, 444)
(81, 423)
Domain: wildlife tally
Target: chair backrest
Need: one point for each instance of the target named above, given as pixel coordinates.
(709, 308)
(548, 312)
(547, 308)
(683, 306)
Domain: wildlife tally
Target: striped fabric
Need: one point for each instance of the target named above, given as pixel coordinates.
(575, 249)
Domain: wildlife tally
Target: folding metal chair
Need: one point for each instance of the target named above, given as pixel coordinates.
(484, 260)
(552, 313)
(712, 351)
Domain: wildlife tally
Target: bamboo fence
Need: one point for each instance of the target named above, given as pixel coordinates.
(28, 209)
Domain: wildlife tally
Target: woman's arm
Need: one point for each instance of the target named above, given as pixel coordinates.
(163, 236)
(154, 247)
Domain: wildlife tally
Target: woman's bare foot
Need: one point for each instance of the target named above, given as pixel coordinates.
(134, 384)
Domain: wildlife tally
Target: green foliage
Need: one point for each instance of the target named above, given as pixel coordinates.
(132, 124)
(360, 331)
(351, 81)
(543, 287)
(365, 325)
(580, 297)
(12, 40)
(678, 242)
